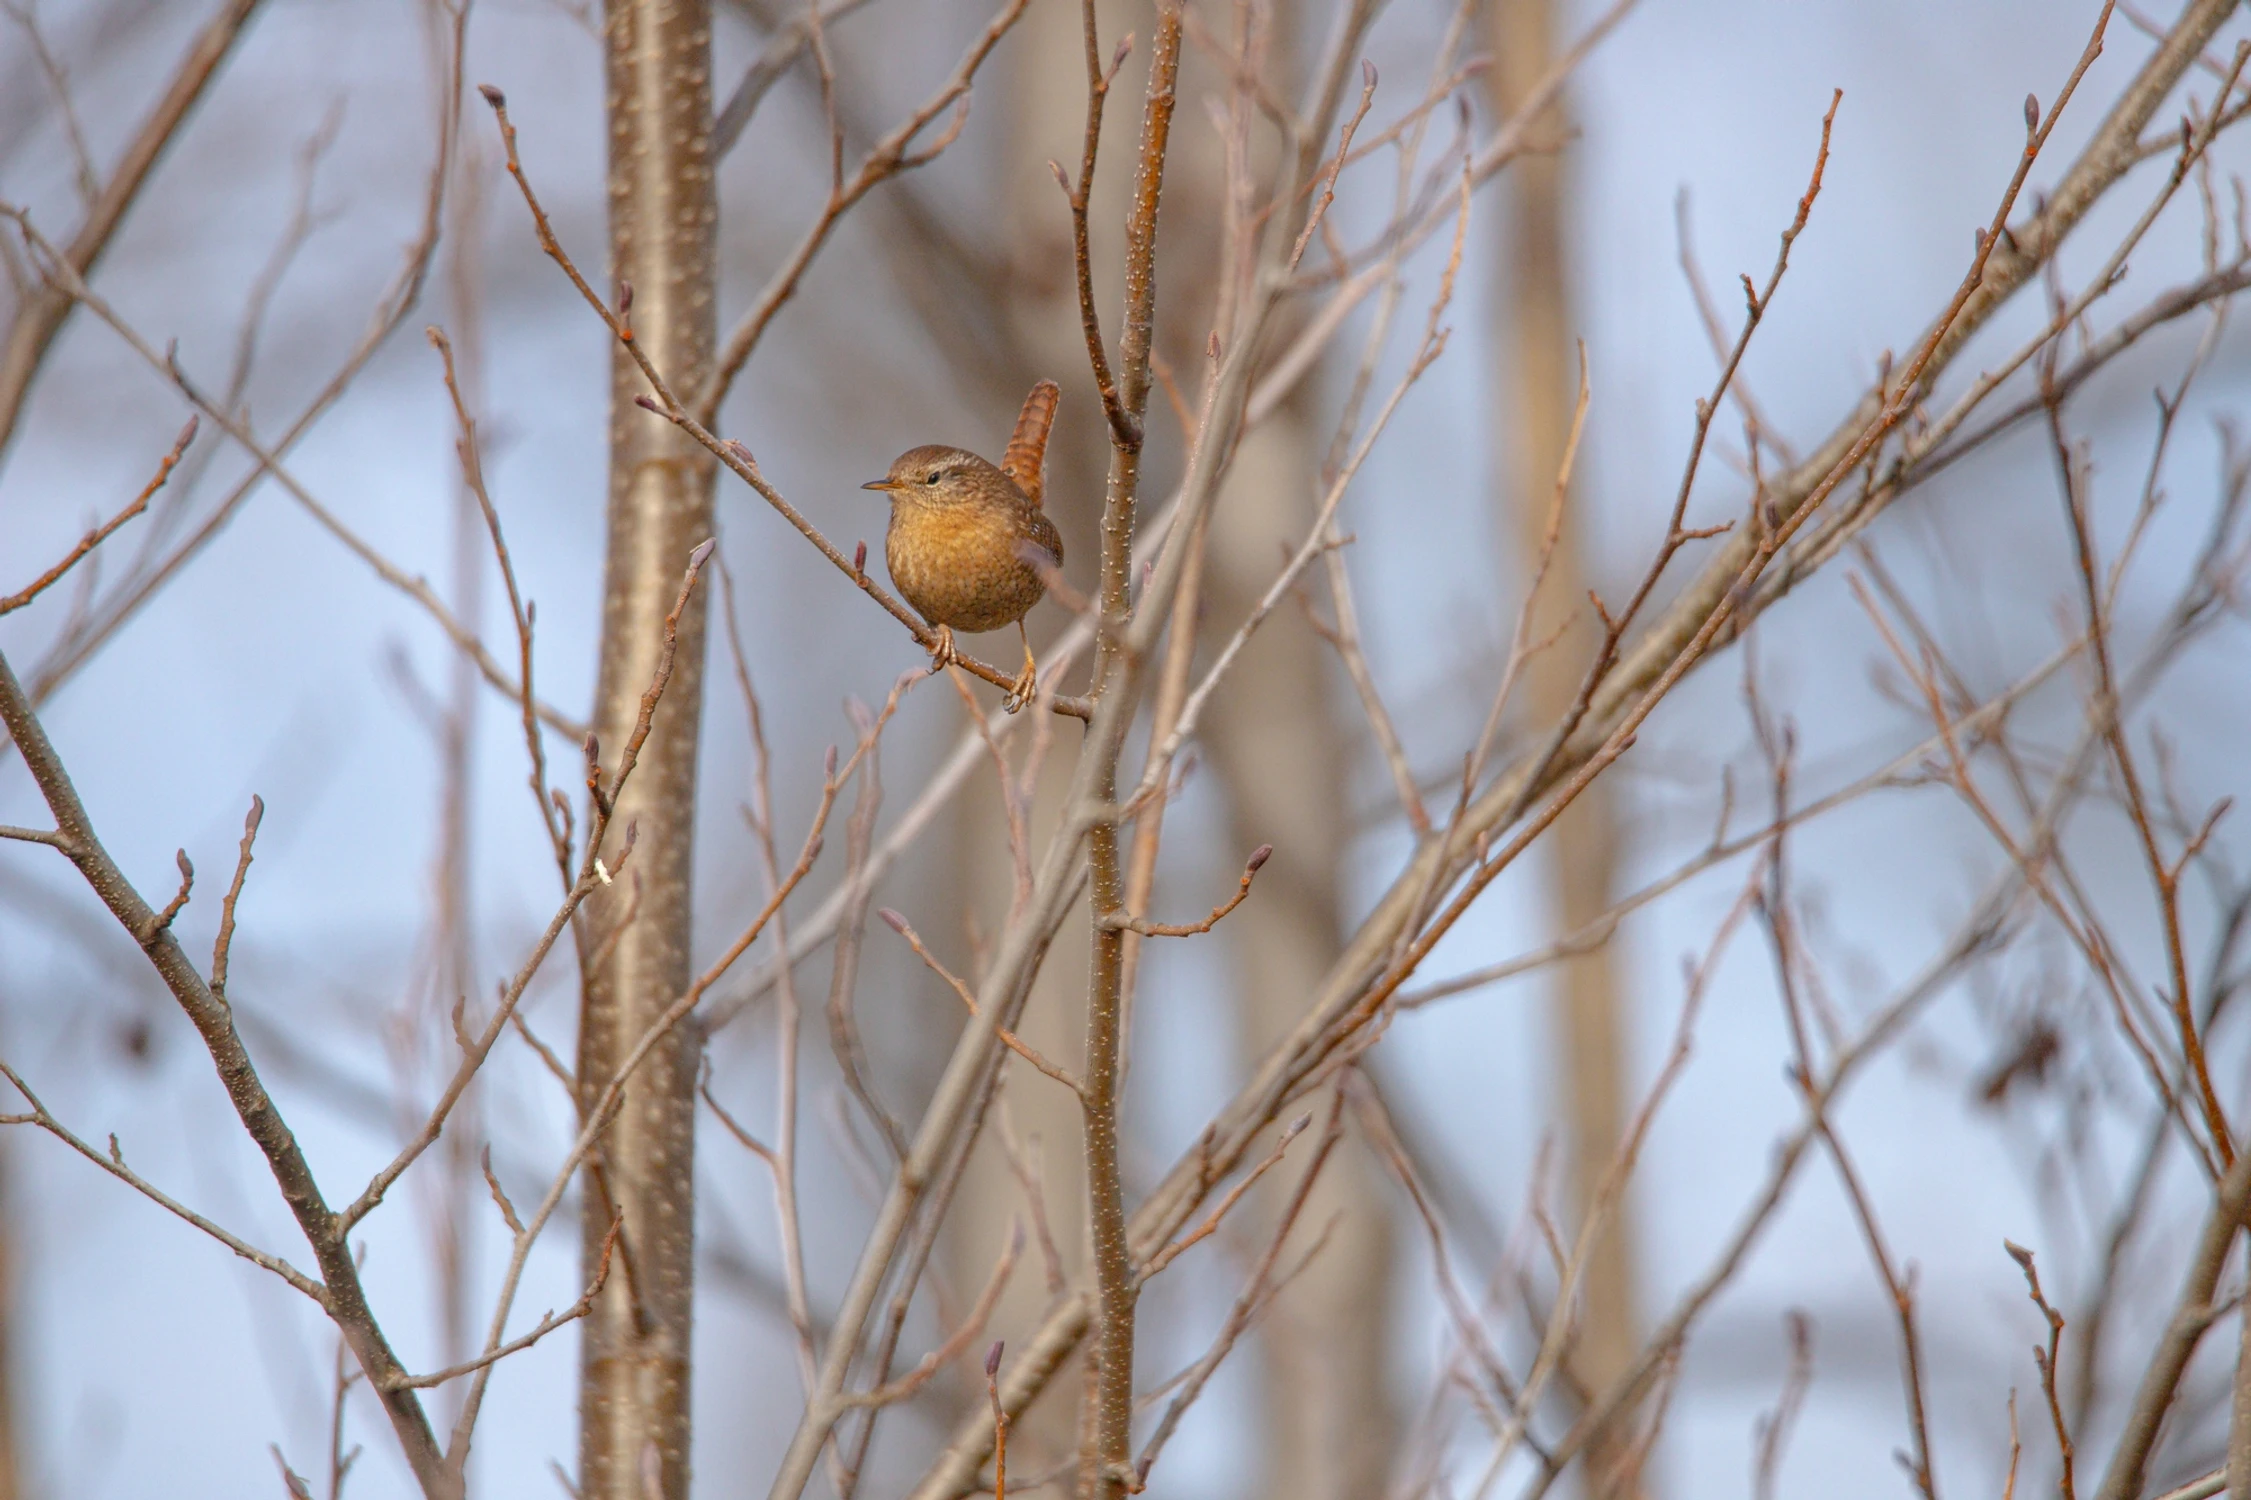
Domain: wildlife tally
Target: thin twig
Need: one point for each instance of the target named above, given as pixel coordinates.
(1009, 1039)
(1212, 1221)
(101, 533)
(1146, 928)
(2046, 1360)
(32, 331)
(937, 1359)
(1249, 1300)
(886, 159)
(222, 946)
(113, 1162)
(540, 1330)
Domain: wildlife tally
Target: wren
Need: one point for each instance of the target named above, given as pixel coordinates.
(960, 532)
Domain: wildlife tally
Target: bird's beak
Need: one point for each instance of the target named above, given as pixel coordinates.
(879, 484)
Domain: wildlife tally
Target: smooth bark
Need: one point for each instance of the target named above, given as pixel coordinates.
(634, 1372)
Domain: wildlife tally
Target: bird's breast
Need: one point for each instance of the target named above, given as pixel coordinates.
(958, 565)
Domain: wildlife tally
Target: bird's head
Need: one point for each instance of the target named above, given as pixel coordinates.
(936, 475)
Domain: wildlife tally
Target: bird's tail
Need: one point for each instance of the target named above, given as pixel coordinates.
(1026, 459)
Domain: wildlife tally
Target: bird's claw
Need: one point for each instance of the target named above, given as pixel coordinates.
(1027, 681)
(943, 652)
(1021, 692)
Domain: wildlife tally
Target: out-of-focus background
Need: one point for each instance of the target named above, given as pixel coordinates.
(400, 861)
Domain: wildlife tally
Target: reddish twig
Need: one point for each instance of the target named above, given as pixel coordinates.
(1121, 920)
(2166, 875)
(2045, 1359)
(1125, 427)
(1000, 1420)
(1106, 1448)
(101, 532)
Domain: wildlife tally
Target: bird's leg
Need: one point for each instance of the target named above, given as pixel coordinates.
(943, 653)
(1028, 681)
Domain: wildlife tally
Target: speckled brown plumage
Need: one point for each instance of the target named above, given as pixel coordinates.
(957, 523)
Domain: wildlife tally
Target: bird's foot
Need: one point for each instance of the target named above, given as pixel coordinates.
(1027, 681)
(1021, 693)
(943, 652)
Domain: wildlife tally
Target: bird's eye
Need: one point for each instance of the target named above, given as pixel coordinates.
(931, 477)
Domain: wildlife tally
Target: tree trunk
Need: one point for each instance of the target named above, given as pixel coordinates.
(1536, 390)
(633, 1392)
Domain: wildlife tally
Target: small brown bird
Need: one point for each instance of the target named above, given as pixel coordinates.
(957, 526)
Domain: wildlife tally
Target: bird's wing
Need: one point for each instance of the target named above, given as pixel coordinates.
(1026, 458)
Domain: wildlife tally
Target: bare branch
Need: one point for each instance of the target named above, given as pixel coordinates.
(885, 159)
(101, 533)
(113, 1162)
(41, 316)
(1009, 1039)
(1146, 928)
(222, 947)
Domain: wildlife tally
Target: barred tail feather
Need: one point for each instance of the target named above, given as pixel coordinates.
(1026, 459)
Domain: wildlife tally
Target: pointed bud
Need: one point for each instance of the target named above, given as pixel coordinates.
(860, 558)
(493, 96)
(1259, 857)
(992, 1359)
